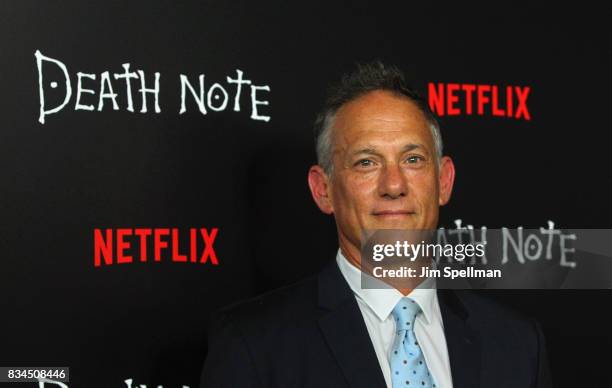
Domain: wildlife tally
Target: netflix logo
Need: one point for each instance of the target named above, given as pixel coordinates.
(126, 245)
(472, 99)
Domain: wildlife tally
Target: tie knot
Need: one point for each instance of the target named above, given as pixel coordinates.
(404, 312)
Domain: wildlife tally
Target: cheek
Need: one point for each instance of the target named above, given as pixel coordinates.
(355, 194)
(362, 189)
(424, 189)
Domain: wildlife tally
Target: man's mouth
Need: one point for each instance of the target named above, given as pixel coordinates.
(388, 213)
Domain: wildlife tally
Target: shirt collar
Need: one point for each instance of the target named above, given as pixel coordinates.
(383, 300)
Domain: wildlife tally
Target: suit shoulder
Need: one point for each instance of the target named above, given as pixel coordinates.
(500, 323)
(293, 303)
(486, 309)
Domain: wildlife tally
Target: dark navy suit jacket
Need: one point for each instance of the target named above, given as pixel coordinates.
(312, 334)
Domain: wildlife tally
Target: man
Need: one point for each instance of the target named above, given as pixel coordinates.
(380, 166)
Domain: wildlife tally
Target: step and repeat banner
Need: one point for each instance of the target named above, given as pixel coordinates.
(154, 159)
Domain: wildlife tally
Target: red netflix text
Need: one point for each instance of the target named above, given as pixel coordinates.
(151, 244)
(471, 99)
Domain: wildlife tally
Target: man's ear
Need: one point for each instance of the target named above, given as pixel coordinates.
(447, 179)
(318, 181)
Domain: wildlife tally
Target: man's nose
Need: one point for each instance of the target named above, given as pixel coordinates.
(392, 182)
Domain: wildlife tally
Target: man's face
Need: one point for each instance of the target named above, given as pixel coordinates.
(386, 173)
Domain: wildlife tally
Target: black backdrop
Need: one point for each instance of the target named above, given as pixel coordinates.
(85, 170)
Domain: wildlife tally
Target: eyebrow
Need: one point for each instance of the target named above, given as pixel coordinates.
(372, 151)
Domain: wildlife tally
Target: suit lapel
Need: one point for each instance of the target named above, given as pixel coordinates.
(345, 331)
(462, 341)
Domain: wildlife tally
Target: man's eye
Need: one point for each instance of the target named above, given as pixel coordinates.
(364, 163)
(415, 159)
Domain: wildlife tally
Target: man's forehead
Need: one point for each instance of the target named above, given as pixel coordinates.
(380, 115)
(381, 105)
(376, 134)
(369, 148)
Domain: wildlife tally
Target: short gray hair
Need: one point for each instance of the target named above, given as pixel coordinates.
(367, 77)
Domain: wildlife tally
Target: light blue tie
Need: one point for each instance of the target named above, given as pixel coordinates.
(408, 367)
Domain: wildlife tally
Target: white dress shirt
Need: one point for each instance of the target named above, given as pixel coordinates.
(376, 306)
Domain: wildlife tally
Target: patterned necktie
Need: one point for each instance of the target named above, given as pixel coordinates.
(408, 367)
